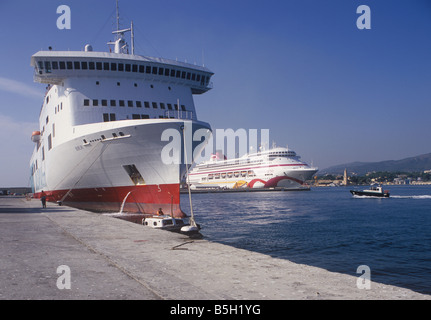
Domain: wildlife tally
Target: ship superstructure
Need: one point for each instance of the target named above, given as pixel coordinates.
(277, 167)
(99, 143)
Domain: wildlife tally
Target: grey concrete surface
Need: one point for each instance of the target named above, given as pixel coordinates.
(111, 258)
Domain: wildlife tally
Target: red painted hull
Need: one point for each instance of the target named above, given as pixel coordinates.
(145, 199)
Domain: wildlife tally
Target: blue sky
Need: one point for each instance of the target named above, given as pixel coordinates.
(300, 68)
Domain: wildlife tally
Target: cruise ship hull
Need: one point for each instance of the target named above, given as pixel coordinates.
(274, 168)
(117, 166)
(286, 179)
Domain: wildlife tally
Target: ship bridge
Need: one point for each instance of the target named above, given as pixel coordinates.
(53, 67)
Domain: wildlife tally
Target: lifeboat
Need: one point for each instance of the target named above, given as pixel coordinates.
(35, 136)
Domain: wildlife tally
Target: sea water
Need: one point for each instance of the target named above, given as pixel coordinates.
(329, 228)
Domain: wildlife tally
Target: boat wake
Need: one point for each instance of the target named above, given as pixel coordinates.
(413, 197)
(368, 197)
(426, 196)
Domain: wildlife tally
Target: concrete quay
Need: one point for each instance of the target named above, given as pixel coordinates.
(112, 259)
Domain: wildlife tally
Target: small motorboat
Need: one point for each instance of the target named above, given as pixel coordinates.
(164, 222)
(169, 223)
(373, 191)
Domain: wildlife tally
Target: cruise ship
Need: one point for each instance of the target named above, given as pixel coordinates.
(100, 139)
(277, 167)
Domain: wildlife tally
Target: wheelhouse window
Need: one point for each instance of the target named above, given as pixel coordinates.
(106, 66)
(69, 65)
(84, 65)
(113, 66)
(77, 65)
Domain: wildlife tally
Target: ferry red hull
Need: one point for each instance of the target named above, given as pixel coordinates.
(145, 199)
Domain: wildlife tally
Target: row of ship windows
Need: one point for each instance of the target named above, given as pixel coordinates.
(131, 103)
(224, 175)
(112, 117)
(48, 66)
(233, 162)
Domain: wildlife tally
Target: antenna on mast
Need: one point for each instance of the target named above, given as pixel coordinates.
(118, 16)
(120, 45)
(132, 37)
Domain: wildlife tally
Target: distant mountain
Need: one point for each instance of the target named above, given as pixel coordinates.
(418, 163)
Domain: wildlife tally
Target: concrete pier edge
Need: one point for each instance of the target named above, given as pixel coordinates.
(110, 258)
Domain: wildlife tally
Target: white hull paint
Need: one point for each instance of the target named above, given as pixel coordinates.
(277, 167)
(99, 142)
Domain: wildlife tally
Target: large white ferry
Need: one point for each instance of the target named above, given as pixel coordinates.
(99, 143)
(277, 167)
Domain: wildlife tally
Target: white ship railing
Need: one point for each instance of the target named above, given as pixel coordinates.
(177, 114)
